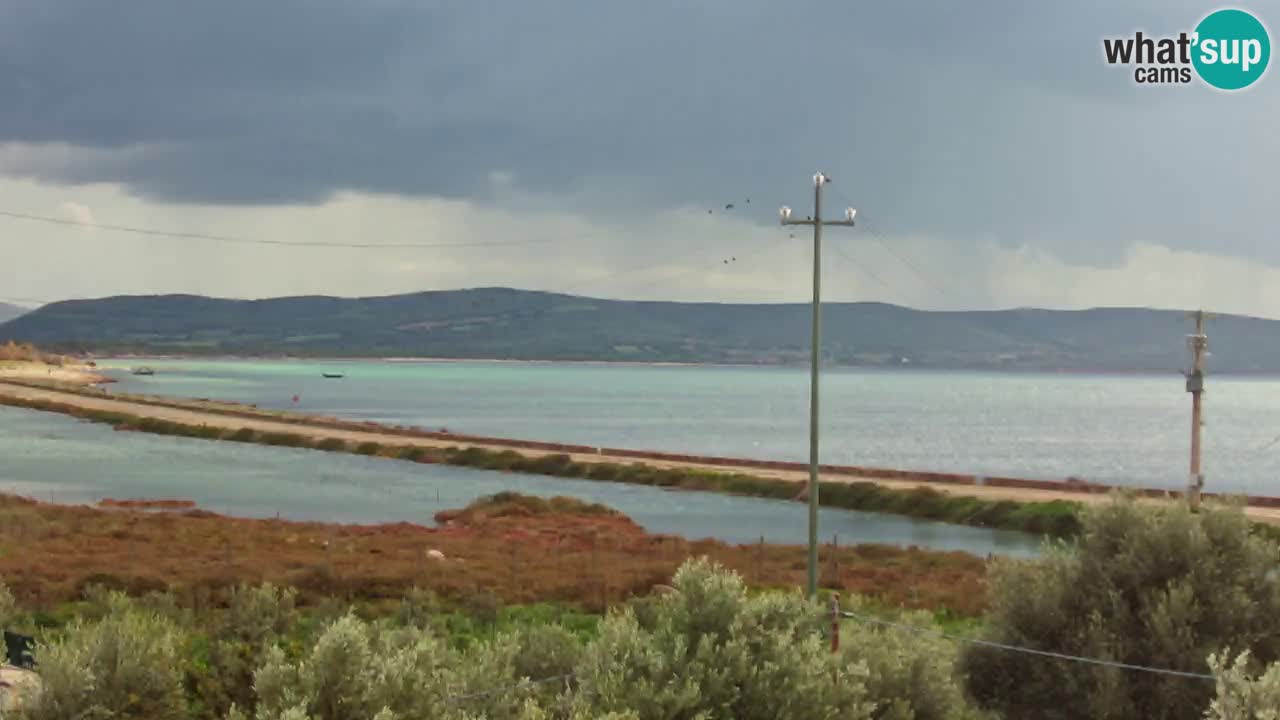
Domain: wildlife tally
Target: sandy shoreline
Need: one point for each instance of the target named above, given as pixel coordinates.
(70, 374)
(233, 417)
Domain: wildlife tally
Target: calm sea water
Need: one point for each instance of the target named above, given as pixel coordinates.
(1114, 429)
(53, 457)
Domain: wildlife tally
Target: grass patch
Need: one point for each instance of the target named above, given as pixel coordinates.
(245, 435)
(283, 439)
(410, 453)
(331, 445)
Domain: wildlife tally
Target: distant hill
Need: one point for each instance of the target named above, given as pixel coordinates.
(9, 312)
(516, 324)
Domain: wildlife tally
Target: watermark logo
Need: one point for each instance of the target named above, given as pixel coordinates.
(1228, 50)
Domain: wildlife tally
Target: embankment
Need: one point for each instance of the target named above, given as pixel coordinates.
(1006, 503)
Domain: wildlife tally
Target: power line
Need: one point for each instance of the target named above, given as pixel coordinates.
(930, 279)
(506, 689)
(943, 289)
(262, 241)
(706, 266)
(1029, 651)
(702, 259)
(860, 268)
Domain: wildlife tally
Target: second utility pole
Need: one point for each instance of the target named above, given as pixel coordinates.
(817, 222)
(1198, 343)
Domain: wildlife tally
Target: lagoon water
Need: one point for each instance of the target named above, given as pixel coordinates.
(1115, 429)
(57, 458)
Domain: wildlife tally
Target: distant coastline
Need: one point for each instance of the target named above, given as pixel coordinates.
(410, 360)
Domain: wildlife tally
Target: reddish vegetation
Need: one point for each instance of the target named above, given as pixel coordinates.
(517, 550)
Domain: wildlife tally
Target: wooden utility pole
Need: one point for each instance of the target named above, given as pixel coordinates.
(1198, 343)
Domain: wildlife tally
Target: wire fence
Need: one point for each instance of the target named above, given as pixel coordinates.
(916, 629)
(905, 627)
(456, 699)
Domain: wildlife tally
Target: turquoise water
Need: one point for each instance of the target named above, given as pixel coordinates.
(1114, 429)
(57, 458)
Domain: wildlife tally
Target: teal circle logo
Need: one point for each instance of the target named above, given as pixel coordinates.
(1232, 49)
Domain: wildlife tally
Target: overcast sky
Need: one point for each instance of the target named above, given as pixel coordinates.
(996, 159)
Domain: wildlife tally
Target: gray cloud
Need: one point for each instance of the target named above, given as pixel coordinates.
(956, 121)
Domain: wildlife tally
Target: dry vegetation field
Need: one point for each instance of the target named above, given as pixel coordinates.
(509, 549)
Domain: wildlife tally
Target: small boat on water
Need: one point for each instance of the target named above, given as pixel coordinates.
(332, 375)
(143, 371)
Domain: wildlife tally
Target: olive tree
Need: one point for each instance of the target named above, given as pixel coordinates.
(8, 609)
(911, 675)
(125, 665)
(709, 650)
(1242, 696)
(1145, 584)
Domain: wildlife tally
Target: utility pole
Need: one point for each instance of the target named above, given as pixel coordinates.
(1198, 343)
(814, 356)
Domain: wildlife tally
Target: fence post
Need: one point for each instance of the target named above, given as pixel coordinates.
(759, 563)
(515, 579)
(595, 569)
(835, 559)
(835, 622)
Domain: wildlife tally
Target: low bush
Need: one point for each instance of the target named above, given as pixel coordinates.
(283, 439)
(331, 444)
(246, 435)
(1240, 696)
(1152, 585)
(126, 665)
(410, 453)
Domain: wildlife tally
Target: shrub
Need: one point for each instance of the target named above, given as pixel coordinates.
(710, 651)
(1242, 697)
(545, 651)
(125, 665)
(558, 464)
(243, 435)
(368, 448)
(417, 609)
(283, 439)
(331, 444)
(220, 674)
(411, 453)
(208, 432)
(356, 670)
(911, 675)
(8, 610)
(1147, 585)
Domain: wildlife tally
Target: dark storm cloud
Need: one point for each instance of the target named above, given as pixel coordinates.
(960, 120)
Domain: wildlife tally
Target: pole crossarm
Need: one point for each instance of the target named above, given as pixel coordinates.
(807, 221)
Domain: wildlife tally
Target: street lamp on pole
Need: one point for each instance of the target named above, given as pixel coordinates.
(817, 222)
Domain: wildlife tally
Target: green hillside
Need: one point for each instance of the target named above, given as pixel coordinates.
(515, 324)
(9, 312)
